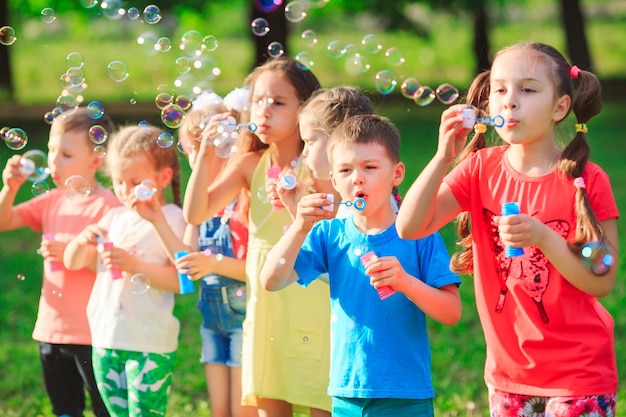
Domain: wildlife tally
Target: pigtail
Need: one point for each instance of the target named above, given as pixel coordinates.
(586, 103)
(477, 96)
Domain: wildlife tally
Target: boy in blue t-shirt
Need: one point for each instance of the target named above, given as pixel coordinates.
(381, 287)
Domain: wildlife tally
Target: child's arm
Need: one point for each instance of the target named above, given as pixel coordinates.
(161, 277)
(152, 211)
(82, 251)
(12, 179)
(442, 304)
(429, 204)
(206, 167)
(522, 230)
(199, 264)
(278, 270)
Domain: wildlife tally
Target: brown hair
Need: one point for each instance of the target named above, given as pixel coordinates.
(586, 103)
(365, 129)
(303, 81)
(79, 120)
(332, 106)
(132, 140)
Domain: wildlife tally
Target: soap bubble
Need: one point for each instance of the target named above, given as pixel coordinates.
(385, 81)
(152, 14)
(77, 187)
(133, 13)
(48, 15)
(118, 71)
(260, 26)
(447, 94)
(172, 116)
(39, 188)
(209, 43)
(305, 60)
(268, 5)
(7, 35)
(335, 49)
(34, 163)
(163, 44)
(309, 37)
(424, 96)
(371, 44)
(165, 140)
(394, 56)
(100, 151)
(191, 43)
(15, 138)
(295, 11)
(139, 284)
(95, 110)
(410, 87)
(98, 134)
(275, 49)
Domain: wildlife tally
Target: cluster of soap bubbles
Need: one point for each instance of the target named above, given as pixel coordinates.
(423, 95)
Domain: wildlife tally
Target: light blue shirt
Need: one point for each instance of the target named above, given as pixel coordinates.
(379, 347)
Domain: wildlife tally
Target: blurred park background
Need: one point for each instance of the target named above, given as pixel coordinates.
(122, 54)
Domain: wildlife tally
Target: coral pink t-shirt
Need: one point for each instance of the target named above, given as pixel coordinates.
(62, 316)
(544, 337)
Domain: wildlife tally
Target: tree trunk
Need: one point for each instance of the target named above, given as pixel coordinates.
(575, 35)
(481, 37)
(6, 79)
(278, 31)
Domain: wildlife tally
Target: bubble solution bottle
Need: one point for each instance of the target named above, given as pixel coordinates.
(53, 265)
(185, 284)
(384, 291)
(508, 209)
(106, 245)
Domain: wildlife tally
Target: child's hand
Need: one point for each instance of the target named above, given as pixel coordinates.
(310, 211)
(149, 209)
(12, 177)
(196, 264)
(52, 250)
(288, 193)
(520, 230)
(118, 258)
(386, 271)
(89, 235)
(452, 134)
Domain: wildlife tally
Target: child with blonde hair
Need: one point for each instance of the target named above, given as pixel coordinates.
(130, 311)
(217, 259)
(61, 327)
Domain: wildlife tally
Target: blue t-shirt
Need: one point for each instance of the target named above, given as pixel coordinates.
(380, 347)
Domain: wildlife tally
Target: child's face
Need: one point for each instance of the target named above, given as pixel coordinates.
(365, 171)
(127, 174)
(71, 153)
(274, 108)
(314, 151)
(522, 91)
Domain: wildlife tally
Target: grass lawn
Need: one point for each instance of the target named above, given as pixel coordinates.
(458, 351)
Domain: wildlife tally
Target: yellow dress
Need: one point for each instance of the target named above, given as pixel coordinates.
(286, 334)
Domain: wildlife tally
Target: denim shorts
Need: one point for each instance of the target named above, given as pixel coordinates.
(223, 309)
(381, 407)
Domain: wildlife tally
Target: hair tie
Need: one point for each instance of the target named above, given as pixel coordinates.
(581, 127)
(480, 128)
(574, 71)
(579, 182)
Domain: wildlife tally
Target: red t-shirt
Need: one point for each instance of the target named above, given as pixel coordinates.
(62, 316)
(544, 337)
